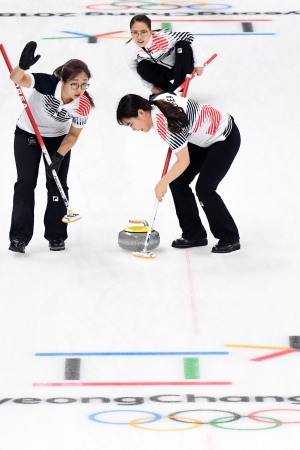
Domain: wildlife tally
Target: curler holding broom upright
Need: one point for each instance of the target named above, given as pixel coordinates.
(70, 216)
(57, 109)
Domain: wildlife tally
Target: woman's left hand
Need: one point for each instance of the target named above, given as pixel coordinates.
(156, 90)
(160, 190)
(56, 162)
(198, 71)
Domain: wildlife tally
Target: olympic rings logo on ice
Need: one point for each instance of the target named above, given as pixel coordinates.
(151, 6)
(186, 420)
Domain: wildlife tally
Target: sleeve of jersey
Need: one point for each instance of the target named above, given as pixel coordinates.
(79, 119)
(197, 53)
(176, 141)
(131, 60)
(44, 83)
(175, 37)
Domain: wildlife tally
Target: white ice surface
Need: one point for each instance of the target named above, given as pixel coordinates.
(95, 297)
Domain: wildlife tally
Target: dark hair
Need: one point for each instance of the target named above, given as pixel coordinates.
(70, 70)
(130, 104)
(141, 18)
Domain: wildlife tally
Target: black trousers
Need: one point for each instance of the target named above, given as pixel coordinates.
(212, 163)
(161, 76)
(27, 162)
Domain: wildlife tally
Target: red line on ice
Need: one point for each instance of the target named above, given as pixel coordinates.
(192, 292)
(108, 33)
(273, 355)
(138, 383)
(209, 441)
(212, 20)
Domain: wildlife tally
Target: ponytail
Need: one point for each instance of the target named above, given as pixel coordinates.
(175, 115)
(90, 99)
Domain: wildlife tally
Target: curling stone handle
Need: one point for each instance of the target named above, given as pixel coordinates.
(139, 221)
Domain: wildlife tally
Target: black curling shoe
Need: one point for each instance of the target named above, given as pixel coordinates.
(57, 244)
(17, 245)
(226, 247)
(185, 243)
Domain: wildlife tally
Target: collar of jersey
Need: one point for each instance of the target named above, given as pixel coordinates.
(148, 45)
(58, 96)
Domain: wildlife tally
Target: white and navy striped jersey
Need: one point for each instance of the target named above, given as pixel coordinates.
(52, 116)
(160, 50)
(207, 124)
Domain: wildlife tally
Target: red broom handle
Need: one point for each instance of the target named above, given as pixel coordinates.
(204, 65)
(185, 86)
(25, 104)
(37, 133)
(169, 154)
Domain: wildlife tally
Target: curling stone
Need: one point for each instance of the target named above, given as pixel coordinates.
(133, 238)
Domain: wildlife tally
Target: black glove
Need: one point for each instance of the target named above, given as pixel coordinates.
(27, 58)
(56, 162)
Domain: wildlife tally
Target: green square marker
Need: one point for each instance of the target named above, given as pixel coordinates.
(191, 368)
(166, 25)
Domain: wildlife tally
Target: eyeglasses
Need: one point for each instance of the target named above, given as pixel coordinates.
(142, 33)
(76, 86)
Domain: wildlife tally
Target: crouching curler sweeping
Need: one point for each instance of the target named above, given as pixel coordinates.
(205, 142)
(60, 106)
(157, 57)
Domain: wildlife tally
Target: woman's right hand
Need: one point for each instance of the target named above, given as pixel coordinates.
(27, 58)
(161, 189)
(198, 71)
